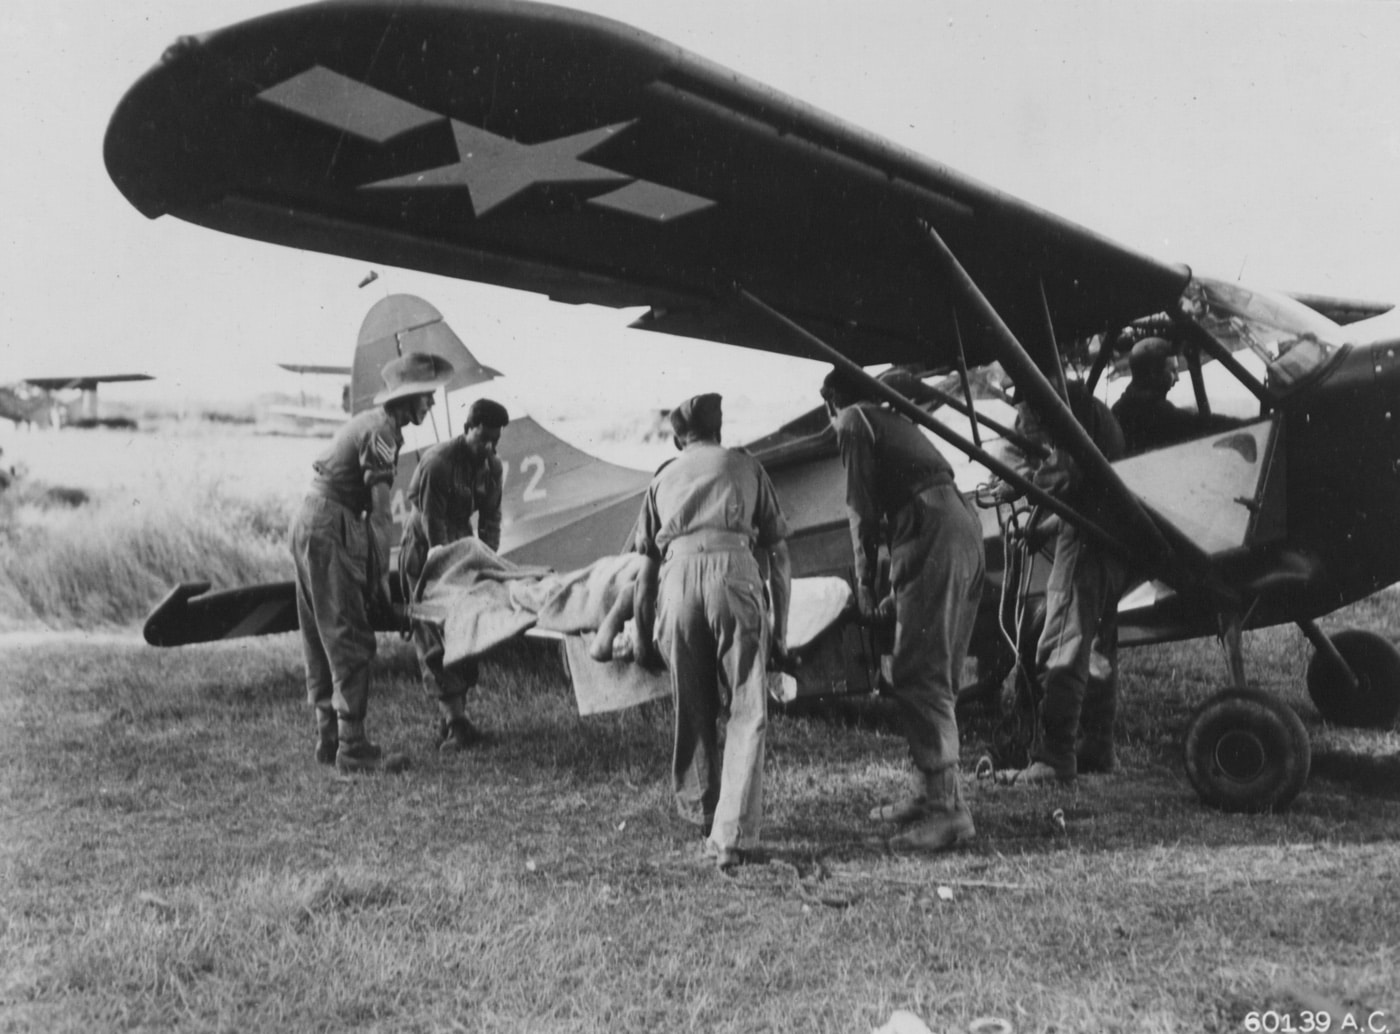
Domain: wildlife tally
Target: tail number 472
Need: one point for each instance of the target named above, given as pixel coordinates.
(533, 468)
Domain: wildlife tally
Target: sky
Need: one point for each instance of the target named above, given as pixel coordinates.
(1258, 141)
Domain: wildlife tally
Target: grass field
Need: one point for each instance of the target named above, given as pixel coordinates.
(174, 860)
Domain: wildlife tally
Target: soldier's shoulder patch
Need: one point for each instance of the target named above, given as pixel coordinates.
(385, 450)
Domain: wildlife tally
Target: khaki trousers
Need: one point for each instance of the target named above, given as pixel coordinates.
(330, 552)
(712, 631)
(936, 571)
(1081, 619)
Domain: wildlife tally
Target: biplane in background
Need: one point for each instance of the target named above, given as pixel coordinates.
(308, 419)
(40, 402)
(545, 149)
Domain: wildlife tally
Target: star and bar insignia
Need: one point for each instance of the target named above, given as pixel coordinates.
(492, 169)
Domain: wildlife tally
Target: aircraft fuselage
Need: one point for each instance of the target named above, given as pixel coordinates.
(1343, 490)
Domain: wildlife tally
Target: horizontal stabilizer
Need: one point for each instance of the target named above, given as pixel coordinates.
(187, 615)
(1343, 310)
(561, 506)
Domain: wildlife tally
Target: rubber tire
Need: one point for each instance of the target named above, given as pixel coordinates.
(1375, 702)
(1246, 752)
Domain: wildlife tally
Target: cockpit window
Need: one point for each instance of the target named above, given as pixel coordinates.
(1291, 339)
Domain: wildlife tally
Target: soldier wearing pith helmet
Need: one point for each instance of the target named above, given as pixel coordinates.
(340, 547)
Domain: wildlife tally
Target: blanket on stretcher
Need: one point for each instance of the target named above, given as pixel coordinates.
(480, 600)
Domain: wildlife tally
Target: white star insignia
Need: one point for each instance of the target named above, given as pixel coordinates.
(495, 169)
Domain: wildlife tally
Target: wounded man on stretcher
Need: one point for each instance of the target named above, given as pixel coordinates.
(480, 600)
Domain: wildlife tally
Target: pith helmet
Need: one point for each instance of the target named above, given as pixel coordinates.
(416, 373)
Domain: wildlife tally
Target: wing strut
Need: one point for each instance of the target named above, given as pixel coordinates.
(1052, 342)
(901, 404)
(966, 384)
(1207, 343)
(1198, 381)
(1166, 559)
(926, 393)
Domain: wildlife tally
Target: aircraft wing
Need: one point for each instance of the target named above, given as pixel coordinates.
(554, 151)
(83, 382)
(340, 371)
(1343, 311)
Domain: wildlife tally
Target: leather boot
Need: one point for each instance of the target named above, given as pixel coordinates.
(1096, 755)
(455, 730)
(1052, 748)
(1095, 750)
(909, 808)
(458, 734)
(358, 755)
(327, 736)
(947, 821)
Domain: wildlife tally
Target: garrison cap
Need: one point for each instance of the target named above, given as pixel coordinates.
(839, 382)
(487, 412)
(698, 417)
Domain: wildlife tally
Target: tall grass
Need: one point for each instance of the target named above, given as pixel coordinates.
(72, 561)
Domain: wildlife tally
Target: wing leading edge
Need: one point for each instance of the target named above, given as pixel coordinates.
(550, 150)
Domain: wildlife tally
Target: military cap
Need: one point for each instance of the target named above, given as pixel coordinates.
(698, 417)
(847, 385)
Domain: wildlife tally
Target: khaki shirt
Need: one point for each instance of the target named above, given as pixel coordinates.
(709, 488)
(888, 461)
(447, 487)
(363, 453)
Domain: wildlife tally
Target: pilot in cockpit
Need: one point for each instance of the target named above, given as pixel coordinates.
(1148, 419)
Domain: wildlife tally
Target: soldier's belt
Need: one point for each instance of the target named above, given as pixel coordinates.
(321, 490)
(707, 542)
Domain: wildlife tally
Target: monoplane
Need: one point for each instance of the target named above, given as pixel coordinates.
(540, 148)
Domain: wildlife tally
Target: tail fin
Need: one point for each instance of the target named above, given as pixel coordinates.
(402, 323)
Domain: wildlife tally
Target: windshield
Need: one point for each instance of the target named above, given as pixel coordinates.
(1291, 339)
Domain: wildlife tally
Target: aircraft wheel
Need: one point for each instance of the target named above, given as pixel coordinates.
(1246, 751)
(1375, 700)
